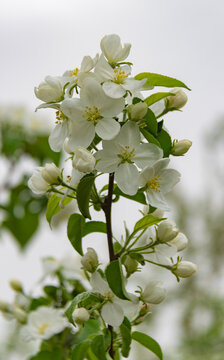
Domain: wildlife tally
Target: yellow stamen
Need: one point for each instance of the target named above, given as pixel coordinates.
(74, 72)
(120, 76)
(42, 328)
(92, 114)
(60, 117)
(108, 295)
(154, 183)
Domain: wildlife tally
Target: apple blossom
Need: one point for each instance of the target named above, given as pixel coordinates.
(43, 177)
(177, 101)
(181, 147)
(80, 315)
(90, 260)
(166, 231)
(113, 50)
(154, 293)
(180, 241)
(51, 90)
(83, 160)
(184, 269)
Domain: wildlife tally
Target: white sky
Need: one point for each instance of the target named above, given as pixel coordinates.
(178, 38)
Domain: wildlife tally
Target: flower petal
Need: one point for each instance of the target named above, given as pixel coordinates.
(156, 199)
(81, 134)
(107, 162)
(113, 89)
(132, 84)
(98, 284)
(112, 314)
(58, 135)
(147, 154)
(129, 135)
(126, 177)
(107, 128)
(169, 178)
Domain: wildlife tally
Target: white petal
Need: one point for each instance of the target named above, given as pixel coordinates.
(86, 64)
(81, 134)
(58, 135)
(107, 162)
(103, 70)
(107, 128)
(113, 90)
(147, 154)
(129, 135)
(98, 284)
(169, 178)
(160, 165)
(112, 314)
(72, 108)
(76, 177)
(146, 175)
(156, 199)
(126, 177)
(111, 46)
(132, 84)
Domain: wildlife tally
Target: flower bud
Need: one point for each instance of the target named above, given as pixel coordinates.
(178, 100)
(145, 309)
(80, 315)
(83, 160)
(49, 90)
(50, 173)
(130, 264)
(185, 269)
(90, 260)
(20, 315)
(154, 293)
(157, 213)
(167, 231)
(4, 306)
(16, 285)
(137, 111)
(181, 147)
(180, 241)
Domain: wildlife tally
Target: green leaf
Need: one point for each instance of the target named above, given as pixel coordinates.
(90, 328)
(138, 257)
(75, 229)
(115, 279)
(165, 142)
(160, 80)
(52, 207)
(151, 122)
(83, 194)
(157, 97)
(48, 355)
(37, 302)
(136, 100)
(80, 351)
(139, 197)
(94, 226)
(150, 138)
(98, 347)
(125, 330)
(86, 299)
(148, 342)
(146, 221)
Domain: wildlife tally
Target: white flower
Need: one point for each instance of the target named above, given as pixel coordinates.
(60, 131)
(93, 112)
(43, 323)
(177, 101)
(167, 231)
(115, 309)
(90, 260)
(80, 315)
(122, 154)
(43, 177)
(83, 160)
(116, 81)
(69, 266)
(154, 293)
(185, 269)
(181, 147)
(113, 50)
(51, 90)
(158, 181)
(180, 241)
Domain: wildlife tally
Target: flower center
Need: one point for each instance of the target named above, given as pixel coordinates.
(154, 183)
(126, 154)
(60, 117)
(108, 296)
(120, 76)
(42, 328)
(74, 72)
(92, 114)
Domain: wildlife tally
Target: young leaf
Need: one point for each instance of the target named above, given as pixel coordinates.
(152, 99)
(83, 194)
(94, 226)
(165, 142)
(148, 342)
(139, 197)
(52, 207)
(80, 351)
(146, 221)
(86, 299)
(75, 229)
(90, 328)
(125, 330)
(115, 279)
(160, 80)
(98, 347)
(151, 122)
(150, 138)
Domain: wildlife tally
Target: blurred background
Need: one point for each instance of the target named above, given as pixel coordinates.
(182, 39)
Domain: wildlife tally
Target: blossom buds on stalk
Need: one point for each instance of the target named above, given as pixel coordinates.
(185, 269)
(180, 147)
(16, 285)
(154, 293)
(83, 160)
(178, 100)
(43, 177)
(80, 315)
(90, 260)
(50, 173)
(130, 264)
(50, 90)
(137, 111)
(166, 231)
(20, 315)
(180, 241)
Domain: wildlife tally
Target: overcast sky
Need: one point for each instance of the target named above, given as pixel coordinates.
(179, 38)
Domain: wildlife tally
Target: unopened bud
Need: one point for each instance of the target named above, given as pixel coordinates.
(130, 264)
(137, 111)
(181, 147)
(20, 315)
(50, 173)
(154, 293)
(145, 309)
(16, 285)
(185, 269)
(90, 260)
(80, 315)
(49, 90)
(178, 100)
(167, 231)
(83, 160)
(180, 241)
(4, 306)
